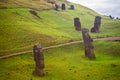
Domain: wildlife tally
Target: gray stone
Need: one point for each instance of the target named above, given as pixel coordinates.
(97, 24)
(34, 13)
(72, 7)
(63, 6)
(77, 24)
(39, 60)
(89, 49)
(56, 7)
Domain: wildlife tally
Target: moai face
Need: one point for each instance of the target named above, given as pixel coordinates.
(98, 19)
(77, 24)
(72, 7)
(63, 7)
(97, 24)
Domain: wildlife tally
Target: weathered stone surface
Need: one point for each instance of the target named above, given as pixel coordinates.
(39, 60)
(72, 7)
(89, 49)
(77, 24)
(97, 24)
(63, 6)
(34, 13)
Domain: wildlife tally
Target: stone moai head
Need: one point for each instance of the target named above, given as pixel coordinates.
(56, 7)
(63, 6)
(97, 24)
(85, 30)
(98, 19)
(111, 17)
(39, 60)
(77, 24)
(34, 13)
(89, 49)
(85, 33)
(72, 7)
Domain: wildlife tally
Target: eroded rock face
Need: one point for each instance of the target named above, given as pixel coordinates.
(77, 24)
(97, 24)
(63, 6)
(89, 49)
(39, 60)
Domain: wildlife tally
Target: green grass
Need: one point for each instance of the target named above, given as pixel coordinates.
(66, 63)
(20, 30)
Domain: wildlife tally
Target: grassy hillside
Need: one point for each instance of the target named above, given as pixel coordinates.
(67, 63)
(33, 4)
(20, 30)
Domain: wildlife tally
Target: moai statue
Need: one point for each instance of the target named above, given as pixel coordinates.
(56, 6)
(72, 7)
(39, 61)
(89, 49)
(97, 24)
(63, 7)
(117, 18)
(111, 17)
(77, 24)
(34, 13)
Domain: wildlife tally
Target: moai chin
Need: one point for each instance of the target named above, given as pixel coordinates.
(63, 6)
(39, 61)
(97, 24)
(89, 49)
(77, 24)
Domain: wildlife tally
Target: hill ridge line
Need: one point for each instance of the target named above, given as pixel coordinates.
(64, 44)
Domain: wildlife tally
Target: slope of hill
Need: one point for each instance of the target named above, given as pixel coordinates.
(67, 63)
(20, 29)
(33, 4)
